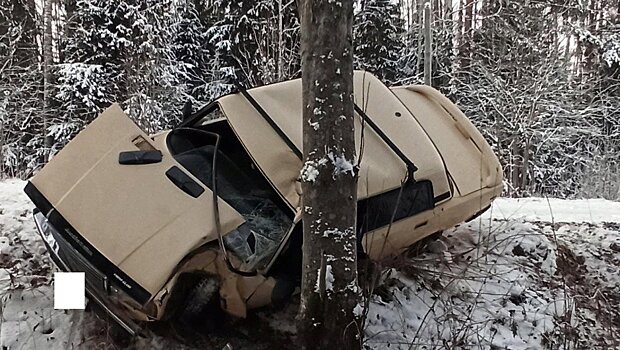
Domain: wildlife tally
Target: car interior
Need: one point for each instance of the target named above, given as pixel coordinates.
(240, 184)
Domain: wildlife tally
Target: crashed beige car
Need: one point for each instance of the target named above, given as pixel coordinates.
(212, 207)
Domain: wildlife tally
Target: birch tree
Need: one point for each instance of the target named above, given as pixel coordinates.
(329, 181)
(47, 73)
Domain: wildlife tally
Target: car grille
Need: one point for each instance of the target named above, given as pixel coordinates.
(77, 263)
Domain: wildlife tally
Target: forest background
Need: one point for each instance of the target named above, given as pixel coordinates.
(540, 79)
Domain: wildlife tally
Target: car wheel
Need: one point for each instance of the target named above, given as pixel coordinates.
(194, 306)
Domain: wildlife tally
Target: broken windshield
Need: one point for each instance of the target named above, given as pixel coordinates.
(254, 242)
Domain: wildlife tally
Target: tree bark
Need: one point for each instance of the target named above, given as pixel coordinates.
(329, 178)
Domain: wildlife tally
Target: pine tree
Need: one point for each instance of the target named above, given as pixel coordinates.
(155, 88)
(21, 132)
(147, 55)
(246, 42)
(93, 74)
(190, 50)
(289, 64)
(233, 44)
(18, 31)
(378, 39)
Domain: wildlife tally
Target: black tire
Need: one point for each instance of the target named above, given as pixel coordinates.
(194, 305)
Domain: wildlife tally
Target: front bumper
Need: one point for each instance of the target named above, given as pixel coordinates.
(98, 288)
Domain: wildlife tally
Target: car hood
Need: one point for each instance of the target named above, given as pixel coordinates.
(134, 215)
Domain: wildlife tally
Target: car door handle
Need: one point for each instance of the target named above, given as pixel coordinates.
(184, 182)
(139, 157)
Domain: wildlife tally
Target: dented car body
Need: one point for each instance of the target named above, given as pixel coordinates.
(138, 213)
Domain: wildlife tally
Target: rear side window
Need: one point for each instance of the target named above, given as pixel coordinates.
(377, 211)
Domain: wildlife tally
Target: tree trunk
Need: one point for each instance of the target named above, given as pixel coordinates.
(525, 166)
(437, 13)
(420, 36)
(465, 44)
(47, 74)
(428, 44)
(329, 178)
(514, 166)
(405, 8)
(280, 44)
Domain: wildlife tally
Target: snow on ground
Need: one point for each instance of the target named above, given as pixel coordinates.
(530, 274)
(504, 285)
(28, 319)
(555, 210)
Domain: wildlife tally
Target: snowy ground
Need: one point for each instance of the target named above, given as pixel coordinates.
(505, 285)
(530, 274)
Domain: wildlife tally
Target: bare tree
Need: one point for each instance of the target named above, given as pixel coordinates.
(330, 291)
(47, 73)
(428, 44)
(466, 16)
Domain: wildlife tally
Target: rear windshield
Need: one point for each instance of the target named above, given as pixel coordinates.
(266, 224)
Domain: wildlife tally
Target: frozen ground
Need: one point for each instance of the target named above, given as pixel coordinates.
(504, 285)
(592, 211)
(530, 274)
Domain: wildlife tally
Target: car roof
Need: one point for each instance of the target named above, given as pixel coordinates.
(381, 169)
